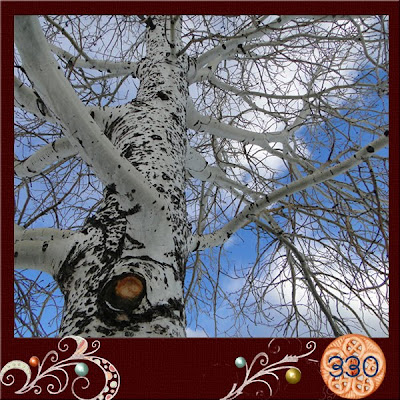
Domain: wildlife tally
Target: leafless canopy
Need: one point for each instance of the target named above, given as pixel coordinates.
(286, 112)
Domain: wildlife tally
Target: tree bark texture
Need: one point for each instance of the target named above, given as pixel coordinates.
(131, 244)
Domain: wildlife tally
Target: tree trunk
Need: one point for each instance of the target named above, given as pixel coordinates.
(125, 277)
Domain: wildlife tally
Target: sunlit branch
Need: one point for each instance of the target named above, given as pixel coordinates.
(204, 123)
(41, 233)
(87, 62)
(42, 254)
(233, 45)
(28, 100)
(305, 96)
(81, 130)
(114, 68)
(242, 219)
(56, 152)
(198, 168)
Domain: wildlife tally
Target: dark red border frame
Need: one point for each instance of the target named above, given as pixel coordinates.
(191, 368)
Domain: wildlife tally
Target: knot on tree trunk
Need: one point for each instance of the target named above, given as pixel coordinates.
(123, 293)
(128, 288)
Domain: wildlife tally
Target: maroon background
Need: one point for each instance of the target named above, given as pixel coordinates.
(189, 368)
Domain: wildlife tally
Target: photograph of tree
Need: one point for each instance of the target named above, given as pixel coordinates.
(201, 175)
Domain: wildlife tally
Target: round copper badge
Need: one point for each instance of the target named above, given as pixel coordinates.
(353, 366)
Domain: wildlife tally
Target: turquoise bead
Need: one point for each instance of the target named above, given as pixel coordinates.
(240, 362)
(81, 369)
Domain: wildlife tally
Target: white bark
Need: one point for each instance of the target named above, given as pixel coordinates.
(58, 151)
(198, 168)
(140, 231)
(42, 249)
(41, 255)
(21, 234)
(245, 216)
(203, 123)
(81, 130)
(115, 68)
(28, 100)
(226, 49)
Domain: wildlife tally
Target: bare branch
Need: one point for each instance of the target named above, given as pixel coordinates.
(80, 127)
(243, 218)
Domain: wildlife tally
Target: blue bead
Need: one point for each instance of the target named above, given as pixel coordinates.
(81, 369)
(240, 362)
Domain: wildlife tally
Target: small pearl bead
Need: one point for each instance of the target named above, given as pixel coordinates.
(81, 369)
(240, 362)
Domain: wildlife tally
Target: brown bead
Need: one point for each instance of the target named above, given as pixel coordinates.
(33, 361)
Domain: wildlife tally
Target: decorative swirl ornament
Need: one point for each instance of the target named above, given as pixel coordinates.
(111, 375)
(267, 370)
